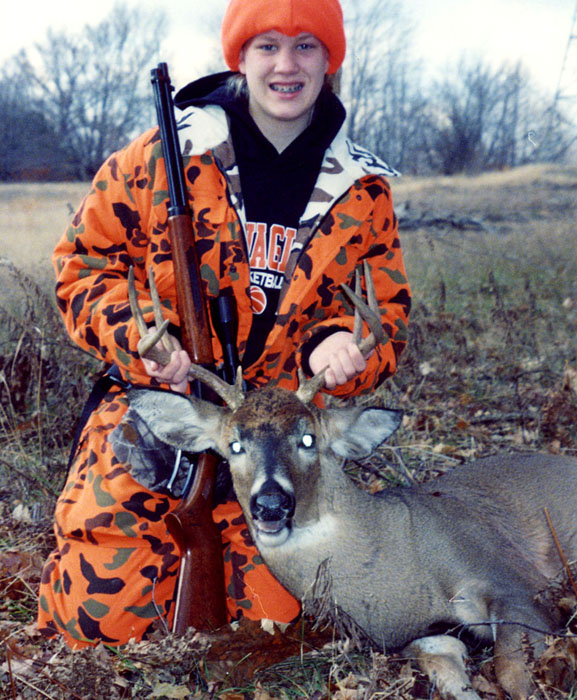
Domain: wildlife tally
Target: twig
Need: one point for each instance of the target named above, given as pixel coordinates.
(511, 417)
(39, 399)
(560, 635)
(404, 471)
(39, 690)
(159, 611)
(560, 550)
(10, 674)
(458, 222)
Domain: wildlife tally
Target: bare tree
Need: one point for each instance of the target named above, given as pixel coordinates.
(462, 112)
(553, 135)
(94, 87)
(28, 145)
(482, 118)
(474, 118)
(381, 81)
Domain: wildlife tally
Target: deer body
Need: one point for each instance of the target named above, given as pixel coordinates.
(455, 550)
(400, 563)
(472, 547)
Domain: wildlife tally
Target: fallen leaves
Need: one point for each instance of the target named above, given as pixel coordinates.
(169, 690)
(557, 666)
(236, 656)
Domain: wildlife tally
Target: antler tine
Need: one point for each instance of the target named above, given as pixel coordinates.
(368, 312)
(371, 292)
(232, 394)
(309, 388)
(358, 327)
(147, 345)
(134, 308)
(157, 306)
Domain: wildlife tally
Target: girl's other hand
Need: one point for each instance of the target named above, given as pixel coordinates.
(341, 356)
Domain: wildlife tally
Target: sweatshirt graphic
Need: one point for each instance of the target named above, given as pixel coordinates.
(269, 251)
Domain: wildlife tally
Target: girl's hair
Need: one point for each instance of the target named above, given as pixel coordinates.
(236, 85)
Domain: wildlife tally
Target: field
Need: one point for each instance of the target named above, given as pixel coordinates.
(492, 366)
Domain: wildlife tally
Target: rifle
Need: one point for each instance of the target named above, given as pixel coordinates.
(200, 596)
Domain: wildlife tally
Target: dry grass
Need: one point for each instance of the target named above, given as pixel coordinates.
(43, 381)
(492, 365)
(32, 219)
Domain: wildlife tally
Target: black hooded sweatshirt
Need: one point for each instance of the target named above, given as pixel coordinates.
(276, 188)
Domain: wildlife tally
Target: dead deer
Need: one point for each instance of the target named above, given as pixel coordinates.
(470, 549)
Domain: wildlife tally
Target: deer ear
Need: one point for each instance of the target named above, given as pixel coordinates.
(356, 432)
(183, 422)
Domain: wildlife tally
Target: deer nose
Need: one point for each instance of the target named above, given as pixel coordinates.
(272, 502)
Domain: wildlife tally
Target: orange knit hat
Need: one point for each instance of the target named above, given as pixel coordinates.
(247, 18)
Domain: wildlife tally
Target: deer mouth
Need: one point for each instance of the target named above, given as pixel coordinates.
(272, 532)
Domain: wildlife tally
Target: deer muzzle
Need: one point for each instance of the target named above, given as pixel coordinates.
(272, 508)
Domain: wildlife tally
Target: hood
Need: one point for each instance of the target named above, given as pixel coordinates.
(209, 90)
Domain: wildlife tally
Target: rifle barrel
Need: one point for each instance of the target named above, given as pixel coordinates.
(162, 87)
(195, 330)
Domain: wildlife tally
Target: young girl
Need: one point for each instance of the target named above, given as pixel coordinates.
(285, 209)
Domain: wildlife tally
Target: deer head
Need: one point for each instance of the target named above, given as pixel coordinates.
(281, 451)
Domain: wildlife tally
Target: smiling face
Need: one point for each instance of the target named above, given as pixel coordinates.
(284, 75)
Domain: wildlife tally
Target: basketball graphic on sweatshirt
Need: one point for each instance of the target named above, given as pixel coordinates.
(269, 249)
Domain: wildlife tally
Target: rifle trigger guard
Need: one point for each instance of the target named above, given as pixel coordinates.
(175, 470)
(189, 478)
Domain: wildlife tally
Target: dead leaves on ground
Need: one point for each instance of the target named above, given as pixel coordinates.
(460, 420)
(195, 664)
(241, 662)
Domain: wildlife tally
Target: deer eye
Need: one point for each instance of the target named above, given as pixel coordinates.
(308, 441)
(236, 448)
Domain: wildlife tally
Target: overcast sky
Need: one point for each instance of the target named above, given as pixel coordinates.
(535, 31)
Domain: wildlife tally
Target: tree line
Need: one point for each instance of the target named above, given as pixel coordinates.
(68, 102)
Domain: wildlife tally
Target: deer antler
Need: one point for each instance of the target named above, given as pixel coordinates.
(157, 346)
(363, 312)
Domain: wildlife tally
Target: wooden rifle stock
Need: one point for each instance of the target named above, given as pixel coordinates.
(200, 596)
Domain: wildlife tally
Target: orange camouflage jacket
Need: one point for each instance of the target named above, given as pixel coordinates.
(122, 222)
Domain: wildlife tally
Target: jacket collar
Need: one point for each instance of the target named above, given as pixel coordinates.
(203, 129)
(206, 129)
(344, 164)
